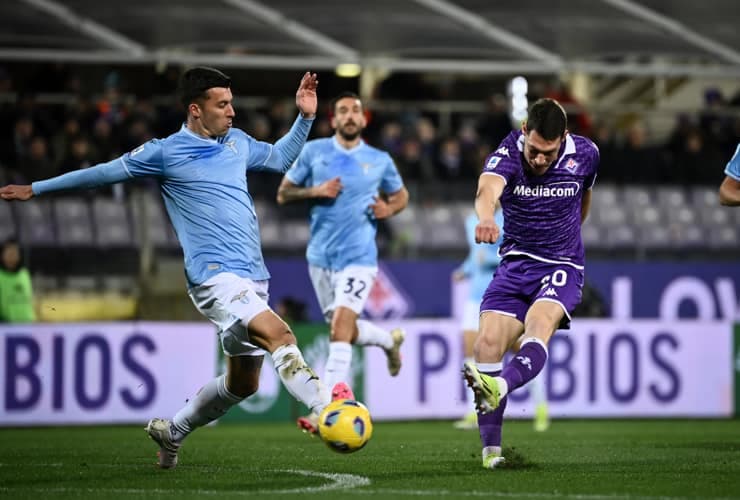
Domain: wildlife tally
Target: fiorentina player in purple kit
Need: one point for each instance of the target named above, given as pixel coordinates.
(543, 176)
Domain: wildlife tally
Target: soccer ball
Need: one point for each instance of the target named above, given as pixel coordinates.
(345, 426)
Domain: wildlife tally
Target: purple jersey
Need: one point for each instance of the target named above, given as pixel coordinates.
(543, 213)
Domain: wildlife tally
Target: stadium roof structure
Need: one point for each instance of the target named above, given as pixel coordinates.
(606, 37)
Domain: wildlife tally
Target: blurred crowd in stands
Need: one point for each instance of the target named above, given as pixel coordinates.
(81, 128)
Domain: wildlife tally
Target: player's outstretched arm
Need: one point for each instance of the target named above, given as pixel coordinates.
(16, 192)
(86, 178)
(490, 188)
(729, 192)
(288, 191)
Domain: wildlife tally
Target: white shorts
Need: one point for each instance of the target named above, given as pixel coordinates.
(231, 302)
(349, 287)
(471, 316)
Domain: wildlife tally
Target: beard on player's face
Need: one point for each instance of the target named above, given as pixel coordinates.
(349, 133)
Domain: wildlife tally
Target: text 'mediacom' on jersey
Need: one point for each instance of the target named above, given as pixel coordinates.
(553, 190)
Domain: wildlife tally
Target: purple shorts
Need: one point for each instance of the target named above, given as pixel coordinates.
(520, 281)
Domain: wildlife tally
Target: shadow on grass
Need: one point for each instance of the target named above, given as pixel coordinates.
(515, 460)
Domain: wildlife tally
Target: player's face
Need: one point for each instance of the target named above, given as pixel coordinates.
(215, 114)
(11, 256)
(349, 119)
(539, 153)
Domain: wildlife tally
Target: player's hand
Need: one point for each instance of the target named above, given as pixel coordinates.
(305, 97)
(381, 209)
(329, 189)
(486, 231)
(16, 192)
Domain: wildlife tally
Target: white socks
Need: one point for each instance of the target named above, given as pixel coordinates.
(370, 334)
(537, 389)
(300, 380)
(212, 401)
(338, 364)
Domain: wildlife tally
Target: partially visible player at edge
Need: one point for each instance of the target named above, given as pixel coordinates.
(201, 171)
(542, 176)
(345, 178)
(729, 190)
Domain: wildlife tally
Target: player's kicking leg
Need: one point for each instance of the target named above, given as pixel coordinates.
(497, 333)
(211, 402)
(244, 342)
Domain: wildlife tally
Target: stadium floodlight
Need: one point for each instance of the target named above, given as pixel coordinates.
(518, 102)
(348, 70)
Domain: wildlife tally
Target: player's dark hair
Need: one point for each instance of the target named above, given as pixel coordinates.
(548, 118)
(12, 241)
(341, 96)
(195, 82)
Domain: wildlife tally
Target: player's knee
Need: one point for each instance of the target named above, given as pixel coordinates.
(343, 328)
(489, 345)
(341, 333)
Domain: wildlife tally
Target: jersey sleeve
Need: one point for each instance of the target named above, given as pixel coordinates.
(503, 166)
(300, 173)
(145, 161)
(391, 181)
(733, 166)
(280, 156)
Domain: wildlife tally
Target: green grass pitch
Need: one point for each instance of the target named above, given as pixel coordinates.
(596, 459)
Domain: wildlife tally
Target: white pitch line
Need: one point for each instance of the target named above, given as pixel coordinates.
(337, 482)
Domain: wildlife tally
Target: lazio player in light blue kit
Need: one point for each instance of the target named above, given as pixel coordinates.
(344, 176)
(729, 190)
(201, 170)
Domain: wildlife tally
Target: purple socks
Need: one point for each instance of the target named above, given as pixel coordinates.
(525, 365)
(489, 425)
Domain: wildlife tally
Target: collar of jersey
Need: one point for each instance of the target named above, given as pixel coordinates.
(345, 150)
(189, 132)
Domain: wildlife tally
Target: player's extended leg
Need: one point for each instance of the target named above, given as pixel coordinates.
(540, 324)
(270, 332)
(351, 289)
(212, 401)
(497, 333)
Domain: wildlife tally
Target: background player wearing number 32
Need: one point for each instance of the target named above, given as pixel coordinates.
(344, 177)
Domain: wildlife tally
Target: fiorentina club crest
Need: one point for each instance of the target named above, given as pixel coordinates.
(387, 300)
(571, 165)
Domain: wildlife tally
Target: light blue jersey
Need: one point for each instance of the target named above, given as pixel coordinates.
(204, 185)
(483, 258)
(733, 166)
(343, 229)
